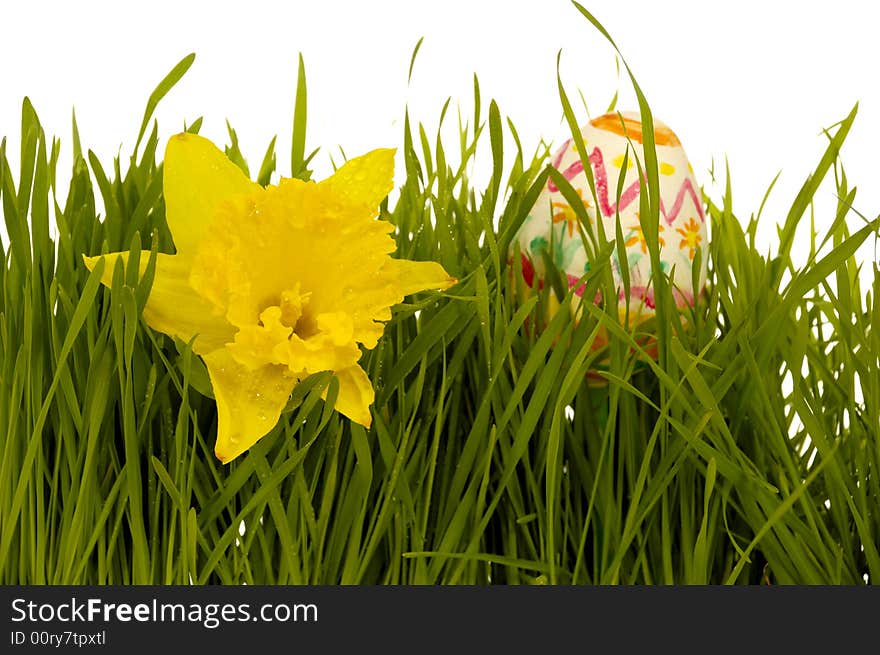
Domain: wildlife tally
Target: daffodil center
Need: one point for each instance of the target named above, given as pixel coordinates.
(289, 332)
(291, 305)
(290, 311)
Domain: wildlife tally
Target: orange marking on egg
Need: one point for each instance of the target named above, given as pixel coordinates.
(632, 128)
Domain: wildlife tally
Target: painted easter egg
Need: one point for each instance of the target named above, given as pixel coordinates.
(551, 231)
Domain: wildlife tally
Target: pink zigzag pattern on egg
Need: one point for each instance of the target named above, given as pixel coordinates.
(630, 193)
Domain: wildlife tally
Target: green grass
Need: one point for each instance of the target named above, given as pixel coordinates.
(748, 453)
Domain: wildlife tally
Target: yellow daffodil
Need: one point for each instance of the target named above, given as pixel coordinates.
(276, 283)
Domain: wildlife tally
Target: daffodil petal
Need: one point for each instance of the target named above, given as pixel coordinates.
(276, 283)
(411, 277)
(259, 345)
(355, 395)
(173, 307)
(319, 353)
(197, 177)
(249, 402)
(109, 265)
(364, 180)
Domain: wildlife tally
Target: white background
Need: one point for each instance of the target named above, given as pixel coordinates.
(753, 82)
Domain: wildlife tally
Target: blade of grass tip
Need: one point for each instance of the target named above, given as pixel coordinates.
(268, 165)
(805, 195)
(111, 207)
(651, 165)
(77, 146)
(139, 218)
(591, 244)
(463, 131)
(810, 278)
(412, 60)
(426, 151)
(496, 140)
(148, 159)
(649, 217)
(476, 107)
(517, 169)
(844, 206)
(32, 134)
(42, 243)
(410, 158)
(54, 154)
(584, 103)
(194, 127)
(580, 146)
(507, 228)
(160, 92)
(754, 227)
(233, 152)
(16, 227)
(298, 143)
(144, 283)
(618, 233)
(612, 106)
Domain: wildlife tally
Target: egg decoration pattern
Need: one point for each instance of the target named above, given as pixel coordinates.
(551, 228)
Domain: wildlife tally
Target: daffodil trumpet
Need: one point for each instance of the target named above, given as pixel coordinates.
(271, 285)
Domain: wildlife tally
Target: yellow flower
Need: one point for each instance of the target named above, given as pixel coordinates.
(691, 237)
(276, 283)
(567, 214)
(637, 236)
